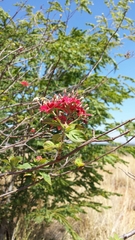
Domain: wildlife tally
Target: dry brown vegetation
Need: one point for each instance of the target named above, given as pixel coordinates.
(120, 218)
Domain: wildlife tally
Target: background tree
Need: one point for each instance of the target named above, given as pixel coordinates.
(46, 148)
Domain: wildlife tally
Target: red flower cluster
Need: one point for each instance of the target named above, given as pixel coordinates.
(25, 83)
(66, 108)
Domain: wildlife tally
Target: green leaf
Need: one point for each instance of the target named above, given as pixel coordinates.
(24, 166)
(115, 237)
(46, 177)
(76, 136)
(49, 145)
(14, 160)
(55, 6)
(78, 162)
(70, 127)
(57, 137)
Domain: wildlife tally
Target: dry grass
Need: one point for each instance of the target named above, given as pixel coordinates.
(120, 218)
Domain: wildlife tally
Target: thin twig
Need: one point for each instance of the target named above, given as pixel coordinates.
(128, 235)
(128, 174)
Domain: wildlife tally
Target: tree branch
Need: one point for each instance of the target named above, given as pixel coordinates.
(127, 235)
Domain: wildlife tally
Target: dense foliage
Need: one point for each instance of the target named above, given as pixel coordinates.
(49, 166)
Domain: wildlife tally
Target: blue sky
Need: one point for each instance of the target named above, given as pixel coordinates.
(78, 20)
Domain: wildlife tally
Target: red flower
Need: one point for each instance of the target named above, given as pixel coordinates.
(64, 119)
(48, 107)
(68, 108)
(33, 130)
(69, 100)
(25, 83)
